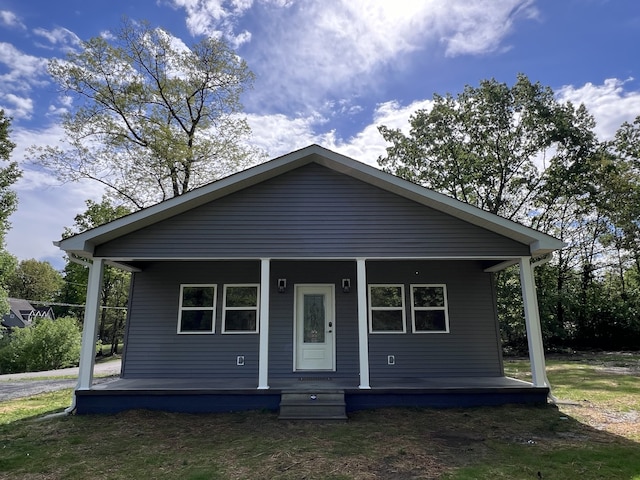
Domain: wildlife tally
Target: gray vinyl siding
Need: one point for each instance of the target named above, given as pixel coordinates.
(155, 350)
(311, 212)
(472, 348)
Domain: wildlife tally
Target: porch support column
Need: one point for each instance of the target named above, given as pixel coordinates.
(363, 329)
(90, 326)
(263, 355)
(532, 320)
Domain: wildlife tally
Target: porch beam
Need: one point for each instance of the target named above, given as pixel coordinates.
(532, 321)
(263, 354)
(501, 266)
(363, 329)
(90, 325)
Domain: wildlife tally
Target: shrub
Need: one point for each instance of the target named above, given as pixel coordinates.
(47, 345)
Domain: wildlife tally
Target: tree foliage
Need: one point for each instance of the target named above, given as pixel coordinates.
(9, 174)
(518, 152)
(484, 146)
(152, 118)
(35, 280)
(47, 345)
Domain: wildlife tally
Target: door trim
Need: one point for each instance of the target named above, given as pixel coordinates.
(331, 307)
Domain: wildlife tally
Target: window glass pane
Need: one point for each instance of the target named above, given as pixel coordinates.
(430, 320)
(240, 320)
(386, 296)
(242, 296)
(386, 320)
(196, 321)
(197, 296)
(428, 296)
(313, 319)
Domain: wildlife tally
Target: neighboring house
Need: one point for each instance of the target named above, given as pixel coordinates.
(310, 272)
(22, 314)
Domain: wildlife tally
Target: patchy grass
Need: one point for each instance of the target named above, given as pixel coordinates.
(509, 442)
(23, 408)
(600, 389)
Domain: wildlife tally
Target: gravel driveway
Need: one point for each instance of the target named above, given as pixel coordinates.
(19, 385)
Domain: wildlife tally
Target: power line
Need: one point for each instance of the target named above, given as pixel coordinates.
(57, 304)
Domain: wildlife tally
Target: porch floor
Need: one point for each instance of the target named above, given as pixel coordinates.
(304, 383)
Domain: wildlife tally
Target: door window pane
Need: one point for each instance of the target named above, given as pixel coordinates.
(314, 318)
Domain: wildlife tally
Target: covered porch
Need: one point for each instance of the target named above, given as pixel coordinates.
(192, 393)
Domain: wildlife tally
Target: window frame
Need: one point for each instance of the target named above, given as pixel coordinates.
(212, 309)
(444, 308)
(402, 308)
(225, 308)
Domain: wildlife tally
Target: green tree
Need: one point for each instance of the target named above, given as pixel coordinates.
(8, 203)
(9, 175)
(115, 284)
(36, 281)
(485, 146)
(152, 117)
(8, 264)
(47, 345)
(620, 196)
(519, 153)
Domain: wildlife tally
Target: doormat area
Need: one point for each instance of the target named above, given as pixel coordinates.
(314, 379)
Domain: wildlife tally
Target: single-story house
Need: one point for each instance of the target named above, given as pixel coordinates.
(22, 314)
(311, 272)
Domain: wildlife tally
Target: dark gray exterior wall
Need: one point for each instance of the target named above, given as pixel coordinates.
(154, 349)
(317, 213)
(472, 348)
(311, 212)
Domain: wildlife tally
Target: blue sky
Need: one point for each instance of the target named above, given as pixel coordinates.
(328, 71)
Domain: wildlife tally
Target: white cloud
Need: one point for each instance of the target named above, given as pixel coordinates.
(306, 51)
(10, 19)
(215, 17)
(59, 38)
(17, 107)
(609, 103)
(24, 71)
(279, 134)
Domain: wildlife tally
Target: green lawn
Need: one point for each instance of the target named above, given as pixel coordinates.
(594, 438)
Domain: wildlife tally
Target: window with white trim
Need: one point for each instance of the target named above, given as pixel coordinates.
(429, 312)
(386, 309)
(240, 308)
(197, 312)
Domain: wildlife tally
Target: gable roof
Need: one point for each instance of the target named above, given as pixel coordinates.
(83, 244)
(21, 313)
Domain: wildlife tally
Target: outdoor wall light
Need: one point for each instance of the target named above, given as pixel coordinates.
(346, 285)
(282, 285)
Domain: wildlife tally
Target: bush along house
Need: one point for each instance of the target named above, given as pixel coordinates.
(315, 285)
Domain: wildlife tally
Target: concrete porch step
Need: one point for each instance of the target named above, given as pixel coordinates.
(312, 405)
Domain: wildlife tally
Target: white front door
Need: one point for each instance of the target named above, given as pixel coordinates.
(314, 327)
